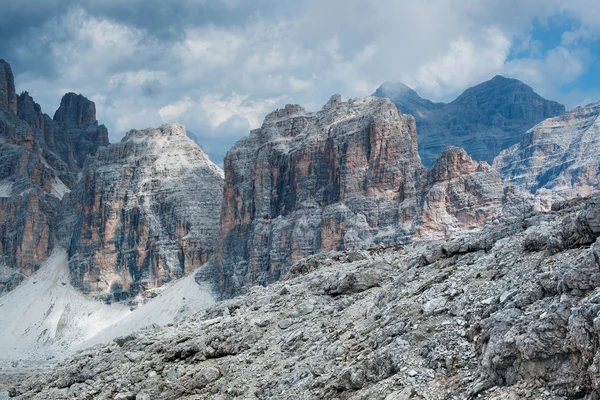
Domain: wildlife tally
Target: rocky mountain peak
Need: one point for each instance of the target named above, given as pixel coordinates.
(8, 96)
(346, 176)
(333, 101)
(395, 89)
(452, 163)
(484, 119)
(559, 154)
(160, 197)
(29, 110)
(283, 114)
(76, 111)
(406, 99)
(77, 116)
(169, 146)
(165, 130)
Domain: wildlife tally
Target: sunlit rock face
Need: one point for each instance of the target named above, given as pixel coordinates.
(145, 211)
(347, 176)
(483, 120)
(558, 158)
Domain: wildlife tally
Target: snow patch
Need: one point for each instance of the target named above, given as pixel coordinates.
(5, 188)
(45, 319)
(59, 189)
(175, 302)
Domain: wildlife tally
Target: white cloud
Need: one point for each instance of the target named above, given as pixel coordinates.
(220, 77)
(172, 112)
(467, 62)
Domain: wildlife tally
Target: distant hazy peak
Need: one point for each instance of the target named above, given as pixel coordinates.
(484, 119)
(395, 89)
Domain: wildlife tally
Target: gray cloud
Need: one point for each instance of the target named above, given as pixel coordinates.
(219, 66)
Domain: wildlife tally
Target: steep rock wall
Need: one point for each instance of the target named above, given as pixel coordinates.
(146, 211)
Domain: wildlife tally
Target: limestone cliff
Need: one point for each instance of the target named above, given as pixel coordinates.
(77, 115)
(39, 163)
(460, 194)
(145, 211)
(558, 157)
(347, 176)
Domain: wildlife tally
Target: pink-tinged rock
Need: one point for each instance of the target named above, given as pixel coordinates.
(146, 211)
(347, 176)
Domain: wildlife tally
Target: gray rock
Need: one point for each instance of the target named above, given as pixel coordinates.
(484, 120)
(160, 198)
(556, 159)
(504, 335)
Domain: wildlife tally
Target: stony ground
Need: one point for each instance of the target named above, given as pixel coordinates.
(508, 313)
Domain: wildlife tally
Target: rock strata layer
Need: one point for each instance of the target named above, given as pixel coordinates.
(38, 165)
(558, 157)
(145, 211)
(347, 176)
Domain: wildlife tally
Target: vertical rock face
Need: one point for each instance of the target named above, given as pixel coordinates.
(347, 176)
(27, 205)
(559, 155)
(8, 96)
(484, 120)
(307, 182)
(77, 115)
(460, 194)
(38, 165)
(145, 211)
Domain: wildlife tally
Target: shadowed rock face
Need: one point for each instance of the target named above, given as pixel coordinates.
(8, 96)
(146, 211)
(344, 177)
(77, 115)
(559, 156)
(484, 120)
(39, 163)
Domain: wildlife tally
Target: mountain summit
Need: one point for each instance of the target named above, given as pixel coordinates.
(483, 120)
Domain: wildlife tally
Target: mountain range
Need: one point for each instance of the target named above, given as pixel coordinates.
(379, 201)
(484, 119)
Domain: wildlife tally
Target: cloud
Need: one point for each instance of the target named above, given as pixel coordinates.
(467, 61)
(219, 66)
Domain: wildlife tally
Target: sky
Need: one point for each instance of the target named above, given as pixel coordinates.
(219, 66)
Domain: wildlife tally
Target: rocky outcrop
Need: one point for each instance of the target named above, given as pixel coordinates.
(312, 181)
(77, 115)
(8, 96)
(348, 176)
(510, 312)
(38, 165)
(557, 158)
(484, 120)
(460, 194)
(26, 182)
(145, 211)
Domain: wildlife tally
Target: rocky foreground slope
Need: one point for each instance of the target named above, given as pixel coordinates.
(508, 313)
(348, 176)
(560, 155)
(145, 211)
(483, 120)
